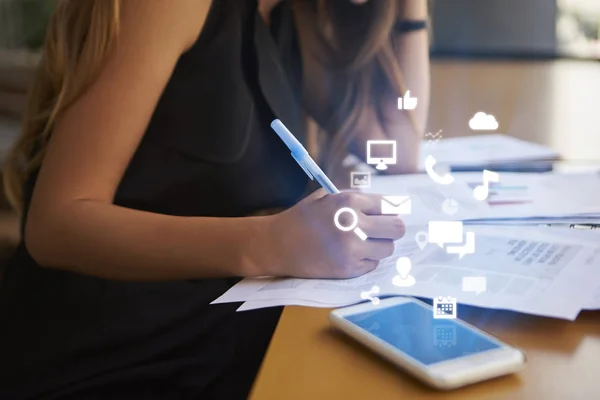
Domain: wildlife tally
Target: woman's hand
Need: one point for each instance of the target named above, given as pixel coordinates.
(304, 241)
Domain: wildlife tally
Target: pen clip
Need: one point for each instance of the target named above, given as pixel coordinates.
(301, 164)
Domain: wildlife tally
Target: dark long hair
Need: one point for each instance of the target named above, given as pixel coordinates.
(354, 43)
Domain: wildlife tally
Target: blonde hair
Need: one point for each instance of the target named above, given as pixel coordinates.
(81, 33)
(79, 36)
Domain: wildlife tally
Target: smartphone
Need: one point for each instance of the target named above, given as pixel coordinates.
(443, 353)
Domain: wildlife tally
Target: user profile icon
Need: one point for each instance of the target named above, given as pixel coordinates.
(404, 278)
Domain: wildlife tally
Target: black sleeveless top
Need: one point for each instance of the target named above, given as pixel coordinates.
(208, 151)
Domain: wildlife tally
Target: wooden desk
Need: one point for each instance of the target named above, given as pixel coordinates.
(553, 103)
(308, 360)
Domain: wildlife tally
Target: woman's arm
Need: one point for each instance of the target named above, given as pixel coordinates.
(72, 223)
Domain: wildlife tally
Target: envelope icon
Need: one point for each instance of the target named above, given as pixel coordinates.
(395, 205)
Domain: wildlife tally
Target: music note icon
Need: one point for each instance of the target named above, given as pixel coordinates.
(481, 192)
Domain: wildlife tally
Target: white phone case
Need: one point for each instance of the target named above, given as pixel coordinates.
(445, 375)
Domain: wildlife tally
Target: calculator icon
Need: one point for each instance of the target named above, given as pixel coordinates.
(444, 307)
(444, 336)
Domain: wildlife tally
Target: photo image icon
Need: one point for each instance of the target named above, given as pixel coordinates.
(360, 180)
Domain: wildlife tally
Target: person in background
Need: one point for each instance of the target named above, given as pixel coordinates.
(145, 157)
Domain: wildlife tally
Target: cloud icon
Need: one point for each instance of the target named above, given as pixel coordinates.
(483, 122)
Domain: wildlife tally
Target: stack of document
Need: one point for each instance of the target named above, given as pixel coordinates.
(521, 198)
(470, 152)
(525, 267)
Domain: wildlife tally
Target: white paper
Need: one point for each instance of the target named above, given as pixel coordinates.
(537, 221)
(593, 304)
(532, 270)
(256, 304)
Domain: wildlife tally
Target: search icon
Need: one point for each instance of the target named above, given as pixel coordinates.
(353, 226)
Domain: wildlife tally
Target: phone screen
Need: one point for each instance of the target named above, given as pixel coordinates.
(411, 328)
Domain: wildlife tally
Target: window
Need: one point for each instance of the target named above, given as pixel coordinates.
(578, 28)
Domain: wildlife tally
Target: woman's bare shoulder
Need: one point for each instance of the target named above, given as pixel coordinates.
(187, 16)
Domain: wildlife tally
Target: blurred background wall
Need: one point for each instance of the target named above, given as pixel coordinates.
(499, 28)
(516, 28)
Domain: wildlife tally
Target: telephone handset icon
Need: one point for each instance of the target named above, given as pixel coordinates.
(442, 180)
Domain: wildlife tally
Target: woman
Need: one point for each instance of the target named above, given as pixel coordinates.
(145, 150)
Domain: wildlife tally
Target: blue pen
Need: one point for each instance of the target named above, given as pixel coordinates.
(302, 157)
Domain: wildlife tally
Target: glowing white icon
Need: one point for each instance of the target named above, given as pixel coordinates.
(444, 307)
(399, 205)
(450, 206)
(353, 225)
(382, 153)
(483, 122)
(360, 180)
(442, 180)
(444, 335)
(407, 103)
(477, 284)
(368, 295)
(433, 138)
(422, 238)
(467, 248)
(444, 232)
(482, 192)
(403, 279)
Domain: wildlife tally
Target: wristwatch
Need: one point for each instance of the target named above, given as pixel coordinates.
(409, 25)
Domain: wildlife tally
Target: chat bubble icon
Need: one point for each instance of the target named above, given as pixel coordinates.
(467, 248)
(441, 232)
(477, 284)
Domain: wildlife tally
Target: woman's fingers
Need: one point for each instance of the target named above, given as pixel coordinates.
(382, 226)
(365, 266)
(378, 249)
(360, 202)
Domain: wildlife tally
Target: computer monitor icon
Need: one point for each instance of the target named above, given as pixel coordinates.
(381, 152)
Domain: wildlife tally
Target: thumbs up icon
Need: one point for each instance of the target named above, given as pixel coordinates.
(408, 103)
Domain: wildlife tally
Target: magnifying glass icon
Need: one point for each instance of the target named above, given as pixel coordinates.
(353, 226)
